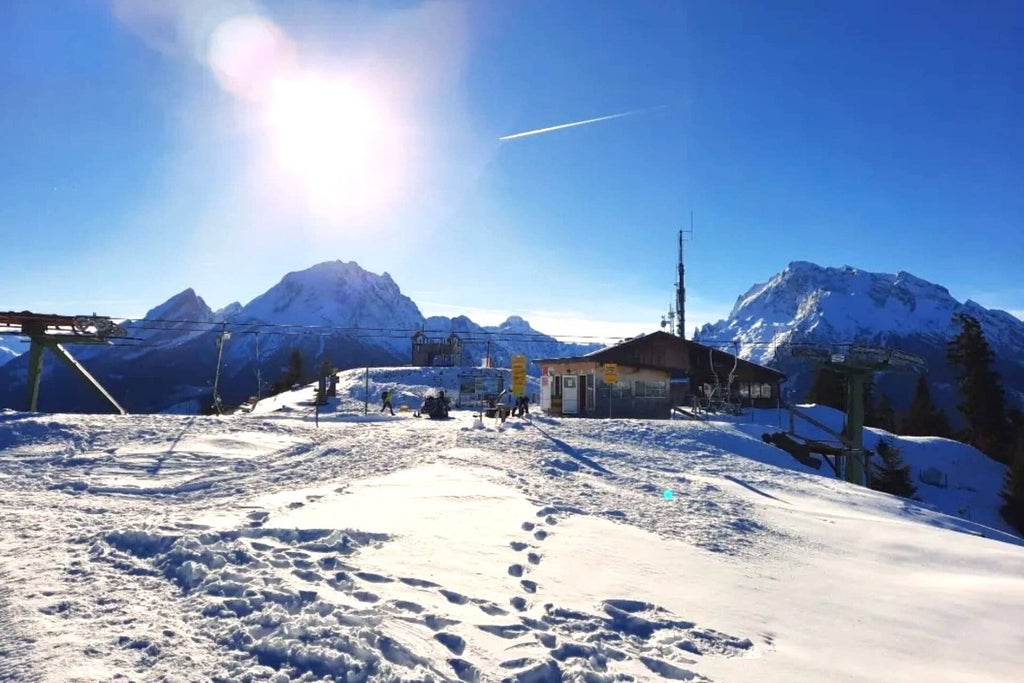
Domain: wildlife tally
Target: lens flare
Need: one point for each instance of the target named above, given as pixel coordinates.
(247, 53)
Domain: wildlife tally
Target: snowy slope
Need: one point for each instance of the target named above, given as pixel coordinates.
(376, 548)
(11, 347)
(7, 354)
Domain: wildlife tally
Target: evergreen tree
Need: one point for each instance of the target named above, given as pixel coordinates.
(892, 475)
(924, 418)
(884, 415)
(1013, 490)
(295, 373)
(292, 375)
(983, 401)
(829, 389)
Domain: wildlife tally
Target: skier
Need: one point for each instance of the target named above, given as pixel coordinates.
(385, 398)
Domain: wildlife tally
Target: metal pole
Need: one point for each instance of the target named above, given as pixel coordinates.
(259, 380)
(216, 377)
(366, 393)
(35, 372)
(855, 470)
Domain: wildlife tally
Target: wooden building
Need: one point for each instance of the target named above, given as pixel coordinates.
(655, 372)
(436, 352)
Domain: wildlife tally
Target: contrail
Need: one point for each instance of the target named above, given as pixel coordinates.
(575, 123)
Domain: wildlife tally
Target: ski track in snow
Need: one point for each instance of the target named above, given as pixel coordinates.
(261, 601)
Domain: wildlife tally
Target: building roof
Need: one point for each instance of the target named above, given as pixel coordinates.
(613, 352)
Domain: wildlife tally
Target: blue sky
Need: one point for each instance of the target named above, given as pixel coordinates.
(142, 154)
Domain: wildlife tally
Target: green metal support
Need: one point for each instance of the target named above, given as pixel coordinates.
(35, 372)
(855, 363)
(76, 367)
(854, 430)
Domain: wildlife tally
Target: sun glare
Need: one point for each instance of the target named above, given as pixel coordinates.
(335, 141)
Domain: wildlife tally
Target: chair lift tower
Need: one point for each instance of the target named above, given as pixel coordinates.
(855, 363)
(53, 332)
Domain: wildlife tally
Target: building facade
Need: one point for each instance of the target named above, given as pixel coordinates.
(653, 374)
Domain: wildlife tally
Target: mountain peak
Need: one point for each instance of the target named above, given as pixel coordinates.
(223, 314)
(342, 295)
(514, 323)
(183, 306)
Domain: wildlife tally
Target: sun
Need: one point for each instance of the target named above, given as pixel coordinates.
(335, 141)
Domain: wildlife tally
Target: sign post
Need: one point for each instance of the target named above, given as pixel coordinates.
(518, 375)
(611, 376)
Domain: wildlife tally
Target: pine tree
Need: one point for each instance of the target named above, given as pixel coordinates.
(983, 400)
(1013, 490)
(292, 375)
(828, 389)
(884, 415)
(924, 418)
(892, 475)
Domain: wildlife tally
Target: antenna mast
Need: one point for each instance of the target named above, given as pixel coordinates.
(681, 284)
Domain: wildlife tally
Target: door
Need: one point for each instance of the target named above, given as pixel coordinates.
(570, 395)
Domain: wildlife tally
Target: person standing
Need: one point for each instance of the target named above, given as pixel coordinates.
(385, 398)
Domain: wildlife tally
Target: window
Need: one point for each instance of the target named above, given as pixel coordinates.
(766, 391)
(755, 390)
(621, 390)
(648, 389)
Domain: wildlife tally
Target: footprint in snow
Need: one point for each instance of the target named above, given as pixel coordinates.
(451, 641)
(453, 597)
(528, 526)
(540, 534)
(518, 546)
(534, 558)
(508, 631)
(515, 570)
(529, 586)
(365, 596)
(489, 608)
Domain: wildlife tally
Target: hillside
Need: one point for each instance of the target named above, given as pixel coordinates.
(376, 548)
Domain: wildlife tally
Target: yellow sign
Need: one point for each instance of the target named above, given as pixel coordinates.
(519, 375)
(611, 373)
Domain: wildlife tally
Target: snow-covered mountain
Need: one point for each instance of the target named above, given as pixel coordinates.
(11, 347)
(333, 311)
(341, 295)
(808, 302)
